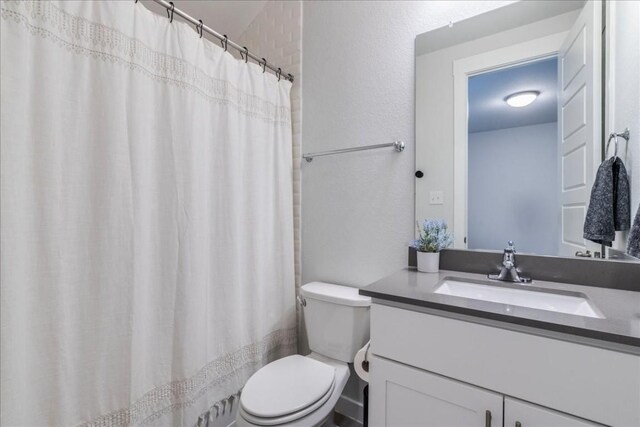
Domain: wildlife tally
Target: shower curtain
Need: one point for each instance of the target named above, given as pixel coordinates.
(147, 234)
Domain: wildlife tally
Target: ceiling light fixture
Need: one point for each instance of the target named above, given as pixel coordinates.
(522, 99)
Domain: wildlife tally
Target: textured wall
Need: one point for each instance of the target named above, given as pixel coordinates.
(276, 34)
(358, 208)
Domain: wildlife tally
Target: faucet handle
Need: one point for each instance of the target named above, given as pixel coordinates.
(510, 247)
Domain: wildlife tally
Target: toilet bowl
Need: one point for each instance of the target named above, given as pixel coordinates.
(303, 390)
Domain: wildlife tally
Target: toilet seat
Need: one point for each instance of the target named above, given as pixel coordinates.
(286, 390)
(274, 421)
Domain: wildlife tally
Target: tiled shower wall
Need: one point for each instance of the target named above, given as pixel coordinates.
(276, 34)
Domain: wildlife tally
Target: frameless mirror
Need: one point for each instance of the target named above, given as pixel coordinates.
(509, 125)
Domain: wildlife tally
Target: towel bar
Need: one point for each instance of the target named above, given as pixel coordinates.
(397, 145)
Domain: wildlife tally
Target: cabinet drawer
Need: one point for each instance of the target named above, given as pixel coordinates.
(404, 396)
(523, 414)
(589, 382)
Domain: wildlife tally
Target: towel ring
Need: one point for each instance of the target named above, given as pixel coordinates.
(624, 135)
(613, 136)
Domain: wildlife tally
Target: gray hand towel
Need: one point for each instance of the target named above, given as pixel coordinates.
(633, 244)
(609, 207)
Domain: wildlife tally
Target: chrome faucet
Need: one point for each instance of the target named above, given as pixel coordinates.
(509, 272)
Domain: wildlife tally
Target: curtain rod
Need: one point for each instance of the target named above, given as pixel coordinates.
(244, 52)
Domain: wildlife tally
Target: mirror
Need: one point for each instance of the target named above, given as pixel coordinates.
(622, 101)
(510, 133)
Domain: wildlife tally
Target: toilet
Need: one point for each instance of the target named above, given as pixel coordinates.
(303, 390)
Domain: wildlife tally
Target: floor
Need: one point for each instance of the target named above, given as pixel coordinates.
(342, 421)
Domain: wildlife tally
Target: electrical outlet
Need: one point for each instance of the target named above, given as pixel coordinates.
(436, 198)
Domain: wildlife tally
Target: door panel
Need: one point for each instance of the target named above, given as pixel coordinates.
(571, 217)
(574, 115)
(575, 58)
(574, 174)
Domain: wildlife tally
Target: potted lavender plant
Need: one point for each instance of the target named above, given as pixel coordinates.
(434, 236)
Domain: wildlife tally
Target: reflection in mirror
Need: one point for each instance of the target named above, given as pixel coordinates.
(509, 132)
(622, 107)
(513, 158)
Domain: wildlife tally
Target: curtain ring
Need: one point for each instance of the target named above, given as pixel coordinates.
(279, 73)
(290, 77)
(225, 42)
(199, 27)
(264, 64)
(245, 56)
(169, 11)
(136, 1)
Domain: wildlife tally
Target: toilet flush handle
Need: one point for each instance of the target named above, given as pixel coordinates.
(302, 301)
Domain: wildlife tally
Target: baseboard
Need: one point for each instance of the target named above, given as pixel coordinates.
(350, 408)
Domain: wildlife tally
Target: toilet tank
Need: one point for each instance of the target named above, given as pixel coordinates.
(336, 319)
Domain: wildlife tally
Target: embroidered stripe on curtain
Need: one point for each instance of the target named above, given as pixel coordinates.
(147, 233)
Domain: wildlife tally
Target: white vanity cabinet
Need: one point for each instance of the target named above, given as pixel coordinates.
(413, 397)
(429, 369)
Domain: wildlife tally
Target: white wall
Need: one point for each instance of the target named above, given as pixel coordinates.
(228, 17)
(434, 109)
(624, 89)
(513, 187)
(358, 89)
(358, 209)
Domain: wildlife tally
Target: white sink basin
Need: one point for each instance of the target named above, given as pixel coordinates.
(567, 302)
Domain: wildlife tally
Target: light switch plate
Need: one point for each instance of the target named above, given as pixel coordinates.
(436, 198)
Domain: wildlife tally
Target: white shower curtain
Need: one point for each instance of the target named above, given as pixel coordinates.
(147, 231)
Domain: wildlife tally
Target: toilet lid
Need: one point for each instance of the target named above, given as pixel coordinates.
(286, 386)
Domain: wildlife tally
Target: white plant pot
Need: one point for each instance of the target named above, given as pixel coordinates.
(428, 262)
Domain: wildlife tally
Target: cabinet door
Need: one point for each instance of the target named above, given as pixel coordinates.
(521, 414)
(401, 395)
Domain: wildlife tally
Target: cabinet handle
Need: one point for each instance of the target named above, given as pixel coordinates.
(487, 418)
(518, 424)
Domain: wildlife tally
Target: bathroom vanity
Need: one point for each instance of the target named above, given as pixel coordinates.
(439, 357)
(457, 349)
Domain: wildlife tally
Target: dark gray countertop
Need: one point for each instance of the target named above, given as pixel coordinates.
(620, 308)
